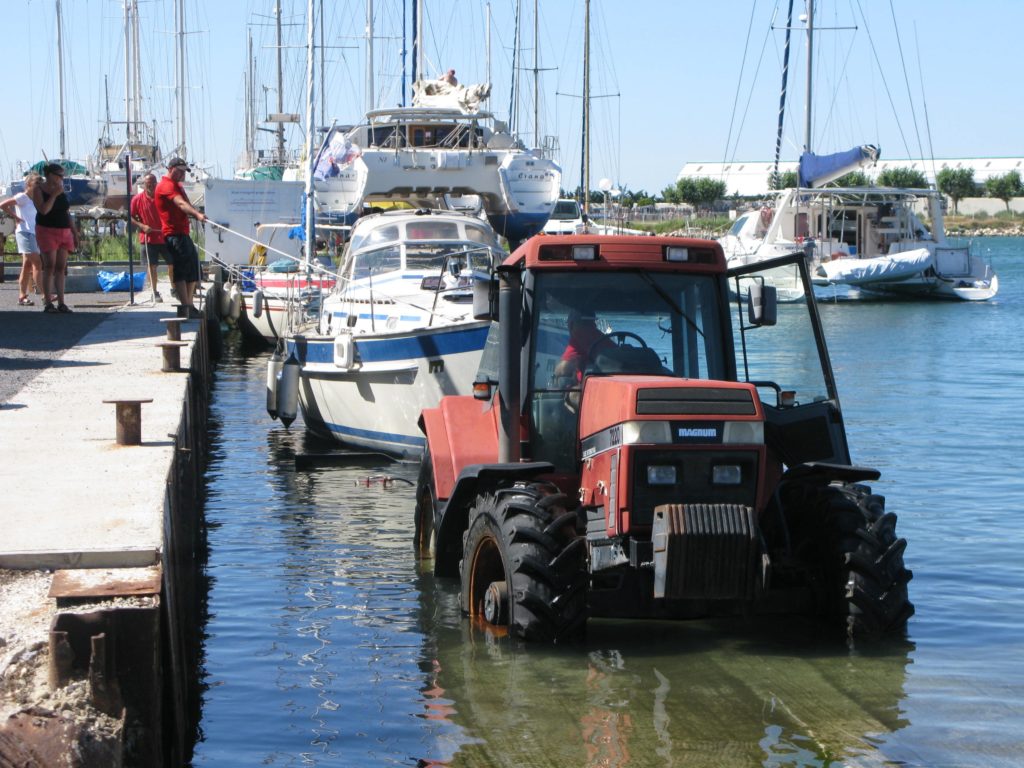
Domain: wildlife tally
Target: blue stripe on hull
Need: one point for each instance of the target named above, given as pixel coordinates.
(417, 345)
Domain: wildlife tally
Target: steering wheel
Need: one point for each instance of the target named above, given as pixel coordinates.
(619, 337)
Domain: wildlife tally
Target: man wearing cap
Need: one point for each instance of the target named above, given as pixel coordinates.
(174, 208)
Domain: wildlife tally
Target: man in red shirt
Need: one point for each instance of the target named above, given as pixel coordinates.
(174, 208)
(151, 235)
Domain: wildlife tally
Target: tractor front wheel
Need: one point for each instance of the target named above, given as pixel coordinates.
(523, 565)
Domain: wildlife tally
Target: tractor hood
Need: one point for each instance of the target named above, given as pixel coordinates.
(609, 401)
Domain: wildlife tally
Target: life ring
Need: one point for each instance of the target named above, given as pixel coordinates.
(766, 217)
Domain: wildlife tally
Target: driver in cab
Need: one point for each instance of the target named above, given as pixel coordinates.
(585, 339)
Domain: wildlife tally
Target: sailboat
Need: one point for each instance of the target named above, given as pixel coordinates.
(139, 153)
(860, 241)
(397, 332)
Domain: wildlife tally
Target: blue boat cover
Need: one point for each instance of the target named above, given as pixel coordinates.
(814, 167)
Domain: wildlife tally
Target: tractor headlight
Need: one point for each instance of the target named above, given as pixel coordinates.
(726, 474)
(661, 474)
(584, 252)
(745, 432)
(657, 432)
(675, 253)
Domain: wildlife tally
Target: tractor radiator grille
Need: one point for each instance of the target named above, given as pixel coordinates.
(705, 551)
(684, 401)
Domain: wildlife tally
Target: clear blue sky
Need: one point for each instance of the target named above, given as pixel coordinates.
(672, 80)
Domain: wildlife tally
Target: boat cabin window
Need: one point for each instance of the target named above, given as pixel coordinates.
(432, 230)
(480, 235)
(386, 136)
(377, 262)
(800, 225)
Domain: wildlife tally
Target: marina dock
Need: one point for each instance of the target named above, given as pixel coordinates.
(103, 423)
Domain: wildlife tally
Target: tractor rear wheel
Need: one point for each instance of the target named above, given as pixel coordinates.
(859, 560)
(523, 564)
(426, 499)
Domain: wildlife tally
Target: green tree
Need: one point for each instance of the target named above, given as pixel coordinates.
(907, 178)
(958, 183)
(851, 179)
(1005, 187)
(784, 180)
(696, 191)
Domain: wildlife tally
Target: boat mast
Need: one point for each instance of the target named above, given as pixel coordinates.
(586, 108)
(369, 56)
(810, 69)
(179, 86)
(310, 133)
(60, 80)
(127, 70)
(280, 85)
(536, 76)
(418, 43)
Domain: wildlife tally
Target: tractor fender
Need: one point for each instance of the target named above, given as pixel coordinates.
(823, 473)
(471, 482)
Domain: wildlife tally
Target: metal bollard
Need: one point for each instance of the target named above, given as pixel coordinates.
(129, 420)
(172, 355)
(173, 327)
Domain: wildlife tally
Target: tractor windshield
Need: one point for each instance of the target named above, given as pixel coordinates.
(593, 323)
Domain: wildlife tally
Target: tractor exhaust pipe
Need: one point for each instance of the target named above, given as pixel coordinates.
(510, 290)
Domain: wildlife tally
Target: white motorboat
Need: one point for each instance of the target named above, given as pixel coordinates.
(397, 333)
(438, 153)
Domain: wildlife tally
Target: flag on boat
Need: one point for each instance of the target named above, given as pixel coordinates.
(336, 152)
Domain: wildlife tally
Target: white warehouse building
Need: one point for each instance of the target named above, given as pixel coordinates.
(750, 179)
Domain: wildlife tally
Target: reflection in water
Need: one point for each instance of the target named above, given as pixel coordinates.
(702, 693)
(328, 644)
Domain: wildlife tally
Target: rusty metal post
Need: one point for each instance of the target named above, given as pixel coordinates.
(173, 327)
(172, 355)
(59, 671)
(129, 420)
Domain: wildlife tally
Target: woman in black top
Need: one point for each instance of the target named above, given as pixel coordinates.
(55, 234)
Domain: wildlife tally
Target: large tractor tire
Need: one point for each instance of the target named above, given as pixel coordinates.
(426, 500)
(523, 564)
(857, 559)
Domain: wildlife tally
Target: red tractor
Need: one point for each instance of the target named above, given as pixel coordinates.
(652, 435)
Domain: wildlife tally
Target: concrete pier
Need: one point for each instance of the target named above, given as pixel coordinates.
(102, 447)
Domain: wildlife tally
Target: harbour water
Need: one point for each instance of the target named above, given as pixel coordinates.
(327, 645)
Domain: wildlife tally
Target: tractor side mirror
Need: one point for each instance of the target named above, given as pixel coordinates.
(485, 297)
(762, 304)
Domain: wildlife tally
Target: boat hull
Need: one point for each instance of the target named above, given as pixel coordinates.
(376, 405)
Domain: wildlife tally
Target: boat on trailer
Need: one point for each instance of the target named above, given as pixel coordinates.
(397, 332)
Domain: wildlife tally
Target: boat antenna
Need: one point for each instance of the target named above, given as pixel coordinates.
(924, 104)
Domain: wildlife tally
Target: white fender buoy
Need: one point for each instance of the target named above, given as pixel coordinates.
(288, 390)
(235, 303)
(257, 304)
(274, 366)
(224, 305)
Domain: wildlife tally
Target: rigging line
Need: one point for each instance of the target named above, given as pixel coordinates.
(753, 84)
(885, 83)
(924, 105)
(782, 95)
(736, 98)
(906, 79)
(835, 91)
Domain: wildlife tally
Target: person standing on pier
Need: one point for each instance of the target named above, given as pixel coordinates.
(151, 235)
(23, 211)
(174, 208)
(56, 234)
